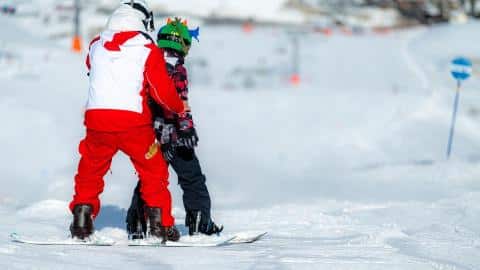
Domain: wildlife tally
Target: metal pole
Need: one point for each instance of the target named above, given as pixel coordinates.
(77, 40)
(76, 19)
(295, 77)
(295, 54)
(454, 120)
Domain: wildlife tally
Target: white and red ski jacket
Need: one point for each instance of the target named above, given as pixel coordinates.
(125, 68)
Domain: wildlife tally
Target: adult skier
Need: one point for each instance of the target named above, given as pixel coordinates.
(125, 66)
(178, 139)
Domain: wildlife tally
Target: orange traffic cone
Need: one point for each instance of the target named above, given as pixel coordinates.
(77, 44)
(327, 31)
(247, 27)
(295, 79)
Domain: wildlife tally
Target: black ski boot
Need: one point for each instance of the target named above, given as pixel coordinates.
(199, 223)
(82, 225)
(136, 230)
(136, 222)
(154, 223)
(171, 233)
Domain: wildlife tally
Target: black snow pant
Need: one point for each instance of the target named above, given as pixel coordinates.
(191, 180)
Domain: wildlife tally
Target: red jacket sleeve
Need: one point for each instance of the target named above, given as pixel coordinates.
(162, 88)
(87, 61)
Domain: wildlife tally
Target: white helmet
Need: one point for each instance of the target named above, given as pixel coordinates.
(132, 15)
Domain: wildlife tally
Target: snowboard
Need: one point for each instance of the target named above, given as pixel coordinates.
(204, 241)
(93, 241)
(185, 241)
(247, 237)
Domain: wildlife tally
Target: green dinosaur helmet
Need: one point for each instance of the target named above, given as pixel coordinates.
(175, 35)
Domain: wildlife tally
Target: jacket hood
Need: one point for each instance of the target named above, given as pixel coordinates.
(125, 19)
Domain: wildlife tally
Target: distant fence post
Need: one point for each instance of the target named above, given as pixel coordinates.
(77, 39)
(295, 78)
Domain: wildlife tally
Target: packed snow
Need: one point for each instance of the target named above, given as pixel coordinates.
(345, 171)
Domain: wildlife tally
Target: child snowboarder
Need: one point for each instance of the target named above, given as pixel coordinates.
(178, 138)
(125, 67)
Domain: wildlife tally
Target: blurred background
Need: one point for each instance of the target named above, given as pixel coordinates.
(274, 83)
(323, 122)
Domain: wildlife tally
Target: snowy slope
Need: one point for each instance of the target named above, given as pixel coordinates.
(346, 171)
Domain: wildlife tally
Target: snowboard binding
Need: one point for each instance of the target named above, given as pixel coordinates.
(199, 223)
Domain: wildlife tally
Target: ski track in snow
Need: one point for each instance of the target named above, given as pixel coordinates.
(411, 62)
(374, 195)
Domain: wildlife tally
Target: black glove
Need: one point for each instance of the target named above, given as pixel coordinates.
(187, 135)
(168, 150)
(167, 137)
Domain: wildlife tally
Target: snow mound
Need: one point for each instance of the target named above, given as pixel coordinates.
(45, 210)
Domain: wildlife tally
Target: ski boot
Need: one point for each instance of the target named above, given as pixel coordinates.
(82, 225)
(136, 231)
(136, 223)
(199, 223)
(154, 223)
(170, 233)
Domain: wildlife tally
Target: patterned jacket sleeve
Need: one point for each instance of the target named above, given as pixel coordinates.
(162, 88)
(180, 77)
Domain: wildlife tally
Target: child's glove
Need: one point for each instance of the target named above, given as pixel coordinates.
(169, 151)
(167, 137)
(187, 135)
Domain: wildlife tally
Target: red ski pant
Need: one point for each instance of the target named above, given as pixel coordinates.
(97, 151)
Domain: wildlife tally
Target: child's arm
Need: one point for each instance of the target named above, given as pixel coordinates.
(187, 135)
(162, 87)
(180, 77)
